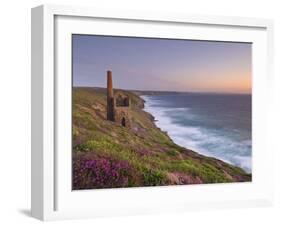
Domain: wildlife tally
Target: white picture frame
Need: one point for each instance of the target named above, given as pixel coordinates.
(51, 197)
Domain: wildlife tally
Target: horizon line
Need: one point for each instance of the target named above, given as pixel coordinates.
(171, 91)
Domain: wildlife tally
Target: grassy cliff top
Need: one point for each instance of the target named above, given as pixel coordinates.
(106, 154)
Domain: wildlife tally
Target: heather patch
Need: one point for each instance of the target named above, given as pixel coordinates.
(107, 155)
(100, 172)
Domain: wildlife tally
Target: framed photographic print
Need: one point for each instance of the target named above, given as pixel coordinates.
(137, 112)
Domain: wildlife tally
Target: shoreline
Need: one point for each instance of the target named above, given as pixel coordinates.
(141, 154)
(179, 141)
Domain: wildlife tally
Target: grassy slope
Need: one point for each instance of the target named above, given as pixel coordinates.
(142, 155)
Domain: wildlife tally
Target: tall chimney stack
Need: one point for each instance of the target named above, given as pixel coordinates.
(110, 98)
(109, 84)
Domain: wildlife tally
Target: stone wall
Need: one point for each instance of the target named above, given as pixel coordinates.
(122, 116)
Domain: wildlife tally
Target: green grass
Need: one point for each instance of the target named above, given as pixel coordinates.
(96, 135)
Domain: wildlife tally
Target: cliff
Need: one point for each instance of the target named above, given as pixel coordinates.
(106, 154)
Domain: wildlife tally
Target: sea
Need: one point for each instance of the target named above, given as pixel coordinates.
(216, 125)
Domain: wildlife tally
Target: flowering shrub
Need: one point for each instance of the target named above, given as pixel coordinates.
(153, 177)
(100, 172)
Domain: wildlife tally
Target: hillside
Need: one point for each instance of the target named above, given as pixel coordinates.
(106, 154)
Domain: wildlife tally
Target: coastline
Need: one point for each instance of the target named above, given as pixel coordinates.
(174, 131)
(138, 154)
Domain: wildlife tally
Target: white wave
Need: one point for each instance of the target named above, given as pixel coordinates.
(197, 139)
(179, 134)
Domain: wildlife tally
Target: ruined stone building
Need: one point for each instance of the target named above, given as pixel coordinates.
(118, 104)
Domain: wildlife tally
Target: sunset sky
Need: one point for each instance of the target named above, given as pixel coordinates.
(162, 64)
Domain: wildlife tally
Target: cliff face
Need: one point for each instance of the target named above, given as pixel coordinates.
(107, 154)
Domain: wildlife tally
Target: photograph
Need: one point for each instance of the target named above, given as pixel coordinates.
(160, 112)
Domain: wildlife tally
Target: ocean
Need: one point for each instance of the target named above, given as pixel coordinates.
(217, 125)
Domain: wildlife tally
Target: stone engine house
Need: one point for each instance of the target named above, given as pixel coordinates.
(118, 104)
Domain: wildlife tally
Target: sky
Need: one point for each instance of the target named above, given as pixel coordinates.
(162, 64)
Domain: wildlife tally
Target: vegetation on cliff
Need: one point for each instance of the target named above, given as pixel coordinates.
(106, 154)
